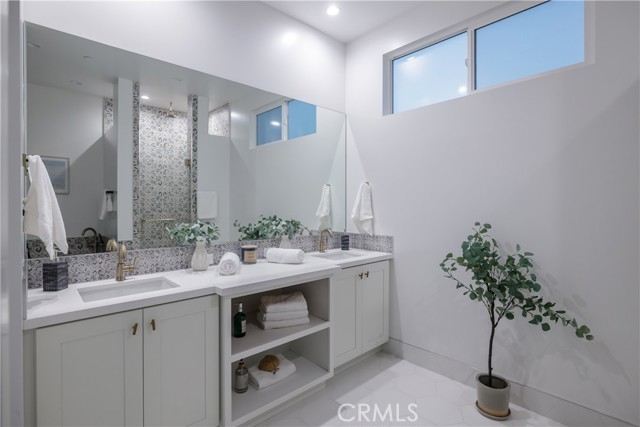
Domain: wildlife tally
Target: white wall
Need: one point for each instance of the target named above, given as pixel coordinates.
(62, 123)
(553, 164)
(233, 40)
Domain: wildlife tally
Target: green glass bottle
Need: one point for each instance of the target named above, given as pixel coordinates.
(239, 323)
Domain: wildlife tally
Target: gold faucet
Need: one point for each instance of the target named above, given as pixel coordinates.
(95, 238)
(323, 244)
(122, 267)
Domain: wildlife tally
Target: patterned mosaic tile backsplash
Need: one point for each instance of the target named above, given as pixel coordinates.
(87, 268)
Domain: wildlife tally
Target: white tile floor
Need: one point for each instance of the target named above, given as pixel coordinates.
(393, 385)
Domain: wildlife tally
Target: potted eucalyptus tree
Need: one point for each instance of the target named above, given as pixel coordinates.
(506, 286)
(201, 233)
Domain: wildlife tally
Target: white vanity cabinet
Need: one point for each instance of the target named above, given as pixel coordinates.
(153, 366)
(360, 300)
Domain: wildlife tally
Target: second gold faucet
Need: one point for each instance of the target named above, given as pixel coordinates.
(122, 267)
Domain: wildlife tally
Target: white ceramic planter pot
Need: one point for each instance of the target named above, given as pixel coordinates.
(199, 261)
(493, 400)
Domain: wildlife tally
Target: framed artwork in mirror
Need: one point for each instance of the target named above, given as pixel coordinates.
(58, 169)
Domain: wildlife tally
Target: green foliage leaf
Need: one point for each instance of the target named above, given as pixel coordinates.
(509, 315)
(545, 327)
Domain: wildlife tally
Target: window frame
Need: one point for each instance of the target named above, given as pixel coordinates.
(470, 26)
(284, 124)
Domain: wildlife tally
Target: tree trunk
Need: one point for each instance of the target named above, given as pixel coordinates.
(493, 331)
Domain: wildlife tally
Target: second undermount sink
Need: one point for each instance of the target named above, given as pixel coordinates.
(127, 287)
(338, 255)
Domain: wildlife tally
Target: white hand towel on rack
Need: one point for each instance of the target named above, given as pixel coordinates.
(42, 215)
(362, 213)
(324, 209)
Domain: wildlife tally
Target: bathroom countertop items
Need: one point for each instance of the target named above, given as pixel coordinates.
(229, 264)
(285, 256)
(281, 311)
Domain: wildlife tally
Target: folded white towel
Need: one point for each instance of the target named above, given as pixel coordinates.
(362, 213)
(285, 256)
(207, 204)
(324, 208)
(277, 324)
(42, 216)
(284, 302)
(263, 379)
(282, 315)
(229, 264)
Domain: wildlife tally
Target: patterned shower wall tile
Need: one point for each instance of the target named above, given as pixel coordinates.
(107, 114)
(219, 121)
(136, 166)
(86, 268)
(192, 119)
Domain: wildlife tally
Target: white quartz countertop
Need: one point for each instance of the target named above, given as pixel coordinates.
(50, 308)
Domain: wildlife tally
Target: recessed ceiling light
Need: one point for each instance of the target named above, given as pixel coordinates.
(145, 97)
(34, 45)
(333, 10)
(75, 82)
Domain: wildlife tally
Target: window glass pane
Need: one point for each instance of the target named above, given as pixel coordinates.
(302, 119)
(269, 126)
(539, 39)
(433, 74)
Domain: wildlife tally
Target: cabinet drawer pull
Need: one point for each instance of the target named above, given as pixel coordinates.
(360, 275)
(366, 274)
(153, 324)
(135, 328)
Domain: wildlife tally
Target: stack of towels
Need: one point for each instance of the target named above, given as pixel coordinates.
(263, 379)
(281, 311)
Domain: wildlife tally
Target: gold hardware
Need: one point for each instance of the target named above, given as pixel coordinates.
(361, 274)
(323, 244)
(187, 162)
(122, 267)
(112, 246)
(366, 274)
(153, 324)
(135, 328)
(95, 238)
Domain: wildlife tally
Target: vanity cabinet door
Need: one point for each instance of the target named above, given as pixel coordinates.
(360, 300)
(346, 318)
(181, 363)
(89, 372)
(374, 294)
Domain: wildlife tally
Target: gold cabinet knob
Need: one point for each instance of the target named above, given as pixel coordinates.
(153, 324)
(366, 274)
(135, 328)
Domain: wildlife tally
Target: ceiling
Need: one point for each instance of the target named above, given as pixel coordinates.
(64, 61)
(356, 18)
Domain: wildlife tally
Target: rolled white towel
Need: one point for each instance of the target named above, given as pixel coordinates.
(285, 256)
(283, 315)
(229, 264)
(284, 302)
(277, 324)
(263, 379)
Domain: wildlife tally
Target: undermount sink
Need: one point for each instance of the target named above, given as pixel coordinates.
(337, 255)
(127, 287)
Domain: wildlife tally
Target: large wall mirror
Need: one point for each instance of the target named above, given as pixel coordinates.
(89, 104)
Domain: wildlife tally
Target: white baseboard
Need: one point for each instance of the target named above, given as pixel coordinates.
(556, 408)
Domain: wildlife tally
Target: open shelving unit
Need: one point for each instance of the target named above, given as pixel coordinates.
(307, 346)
